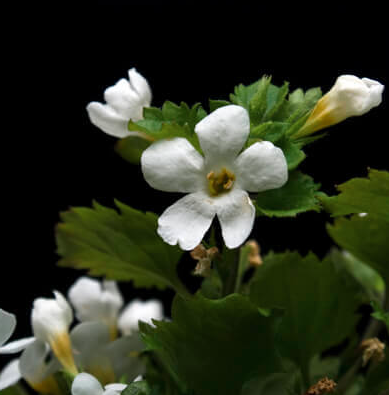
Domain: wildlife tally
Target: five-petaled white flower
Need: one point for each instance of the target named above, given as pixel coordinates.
(350, 96)
(125, 100)
(216, 183)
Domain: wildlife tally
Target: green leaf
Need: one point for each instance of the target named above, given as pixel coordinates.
(380, 314)
(298, 195)
(131, 148)
(277, 105)
(293, 153)
(120, 245)
(215, 104)
(366, 238)
(215, 346)
(269, 131)
(276, 384)
(243, 94)
(137, 388)
(371, 282)
(362, 195)
(257, 104)
(314, 296)
(14, 390)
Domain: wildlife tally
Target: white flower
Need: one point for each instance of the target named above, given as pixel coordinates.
(216, 183)
(125, 101)
(96, 301)
(86, 384)
(102, 301)
(10, 374)
(350, 96)
(50, 320)
(137, 311)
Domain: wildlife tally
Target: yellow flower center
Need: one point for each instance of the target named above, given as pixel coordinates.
(220, 182)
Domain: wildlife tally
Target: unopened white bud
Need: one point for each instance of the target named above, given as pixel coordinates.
(50, 320)
(350, 96)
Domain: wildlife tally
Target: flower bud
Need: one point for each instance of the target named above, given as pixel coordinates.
(350, 96)
(95, 301)
(51, 319)
(138, 310)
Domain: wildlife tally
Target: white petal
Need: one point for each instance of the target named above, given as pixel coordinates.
(375, 89)
(260, 167)
(32, 362)
(124, 100)
(51, 317)
(236, 214)
(108, 120)
(115, 387)
(88, 339)
(95, 301)
(7, 326)
(187, 220)
(86, 384)
(123, 356)
(173, 166)
(223, 133)
(139, 310)
(141, 86)
(17, 345)
(10, 375)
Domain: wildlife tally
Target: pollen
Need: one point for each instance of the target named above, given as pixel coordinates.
(221, 182)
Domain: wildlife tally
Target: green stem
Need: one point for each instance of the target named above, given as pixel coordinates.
(231, 284)
(372, 329)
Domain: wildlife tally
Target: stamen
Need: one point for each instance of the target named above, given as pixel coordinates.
(220, 182)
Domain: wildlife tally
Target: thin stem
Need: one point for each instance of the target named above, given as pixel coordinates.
(231, 282)
(372, 329)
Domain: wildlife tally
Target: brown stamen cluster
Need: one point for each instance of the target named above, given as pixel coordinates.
(323, 386)
(220, 182)
(373, 349)
(254, 257)
(204, 257)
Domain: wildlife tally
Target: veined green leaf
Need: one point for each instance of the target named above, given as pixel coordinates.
(120, 245)
(215, 346)
(298, 195)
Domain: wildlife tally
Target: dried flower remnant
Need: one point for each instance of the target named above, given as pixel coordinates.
(254, 257)
(373, 350)
(323, 386)
(204, 257)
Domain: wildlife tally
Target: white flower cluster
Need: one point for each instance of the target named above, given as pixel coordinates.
(92, 344)
(217, 184)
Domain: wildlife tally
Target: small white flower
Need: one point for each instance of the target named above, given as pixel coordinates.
(350, 96)
(86, 384)
(96, 301)
(216, 183)
(137, 311)
(125, 100)
(50, 320)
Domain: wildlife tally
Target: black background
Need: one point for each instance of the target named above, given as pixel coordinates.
(58, 57)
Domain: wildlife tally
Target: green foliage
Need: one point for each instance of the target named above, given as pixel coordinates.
(380, 314)
(138, 388)
(131, 148)
(377, 380)
(366, 238)
(120, 245)
(170, 121)
(215, 346)
(314, 296)
(14, 390)
(298, 195)
(370, 281)
(362, 195)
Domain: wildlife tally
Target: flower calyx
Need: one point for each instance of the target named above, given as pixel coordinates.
(254, 257)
